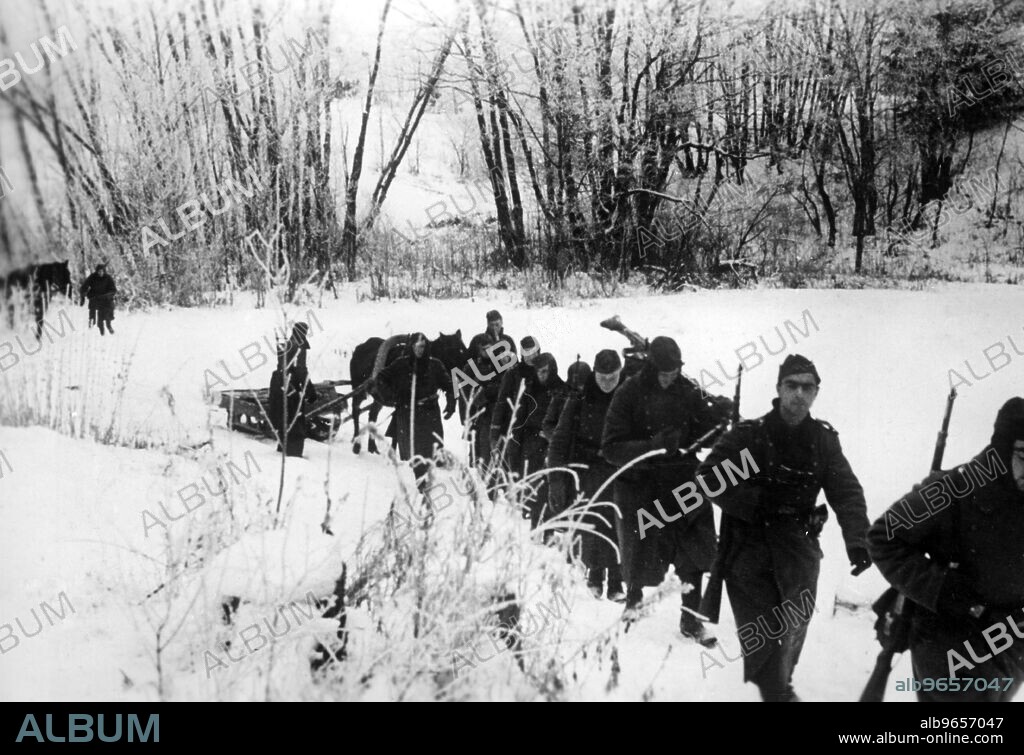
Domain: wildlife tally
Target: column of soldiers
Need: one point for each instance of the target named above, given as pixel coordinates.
(962, 565)
(599, 419)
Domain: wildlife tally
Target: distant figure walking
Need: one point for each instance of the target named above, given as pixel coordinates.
(100, 289)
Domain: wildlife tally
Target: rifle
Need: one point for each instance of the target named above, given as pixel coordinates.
(894, 611)
(940, 442)
(711, 602)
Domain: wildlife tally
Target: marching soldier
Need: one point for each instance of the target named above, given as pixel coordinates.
(577, 439)
(560, 484)
(576, 379)
(476, 401)
(496, 329)
(516, 378)
(955, 547)
(545, 384)
(772, 559)
(658, 408)
(415, 380)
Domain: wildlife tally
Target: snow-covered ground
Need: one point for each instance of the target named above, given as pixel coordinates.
(73, 510)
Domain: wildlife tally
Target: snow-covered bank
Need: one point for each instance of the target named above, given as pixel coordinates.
(73, 510)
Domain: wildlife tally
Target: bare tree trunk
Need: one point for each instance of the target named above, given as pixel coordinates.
(421, 100)
(349, 234)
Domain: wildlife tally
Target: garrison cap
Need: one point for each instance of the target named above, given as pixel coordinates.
(796, 364)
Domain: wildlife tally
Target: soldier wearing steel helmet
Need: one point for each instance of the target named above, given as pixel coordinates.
(660, 409)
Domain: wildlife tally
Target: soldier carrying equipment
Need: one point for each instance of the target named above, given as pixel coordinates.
(658, 409)
(953, 546)
(633, 355)
(637, 354)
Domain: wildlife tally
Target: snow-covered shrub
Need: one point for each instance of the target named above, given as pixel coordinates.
(453, 597)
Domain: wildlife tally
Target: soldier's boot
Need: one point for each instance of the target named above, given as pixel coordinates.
(634, 597)
(692, 628)
(615, 593)
(776, 695)
(689, 625)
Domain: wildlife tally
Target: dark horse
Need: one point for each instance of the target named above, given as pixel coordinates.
(40, 283)
(365, 363)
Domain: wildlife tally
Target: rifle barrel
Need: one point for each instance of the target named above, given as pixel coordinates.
(940, 441)
(874, 691)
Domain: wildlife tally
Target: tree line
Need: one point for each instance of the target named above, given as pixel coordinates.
(592, 122)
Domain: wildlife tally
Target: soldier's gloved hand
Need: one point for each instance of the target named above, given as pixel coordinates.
(957, 596)
(449, 409)
(860, 559)
(667, 439)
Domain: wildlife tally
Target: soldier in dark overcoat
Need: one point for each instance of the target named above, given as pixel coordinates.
(561, 486)
(576, 379)
(658, 408)
(99, 288)
(955, 547)
(415, 380)
(478, 396)
(545, 384)
(766, 475)
(577, 440)
(496, 330)
(515, 380)
(290, 391)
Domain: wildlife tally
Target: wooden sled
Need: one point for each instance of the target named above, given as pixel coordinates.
(248, 409)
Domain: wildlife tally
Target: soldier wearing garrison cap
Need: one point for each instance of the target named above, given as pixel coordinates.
(659, 408)
(771, 561)
(496, 329)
